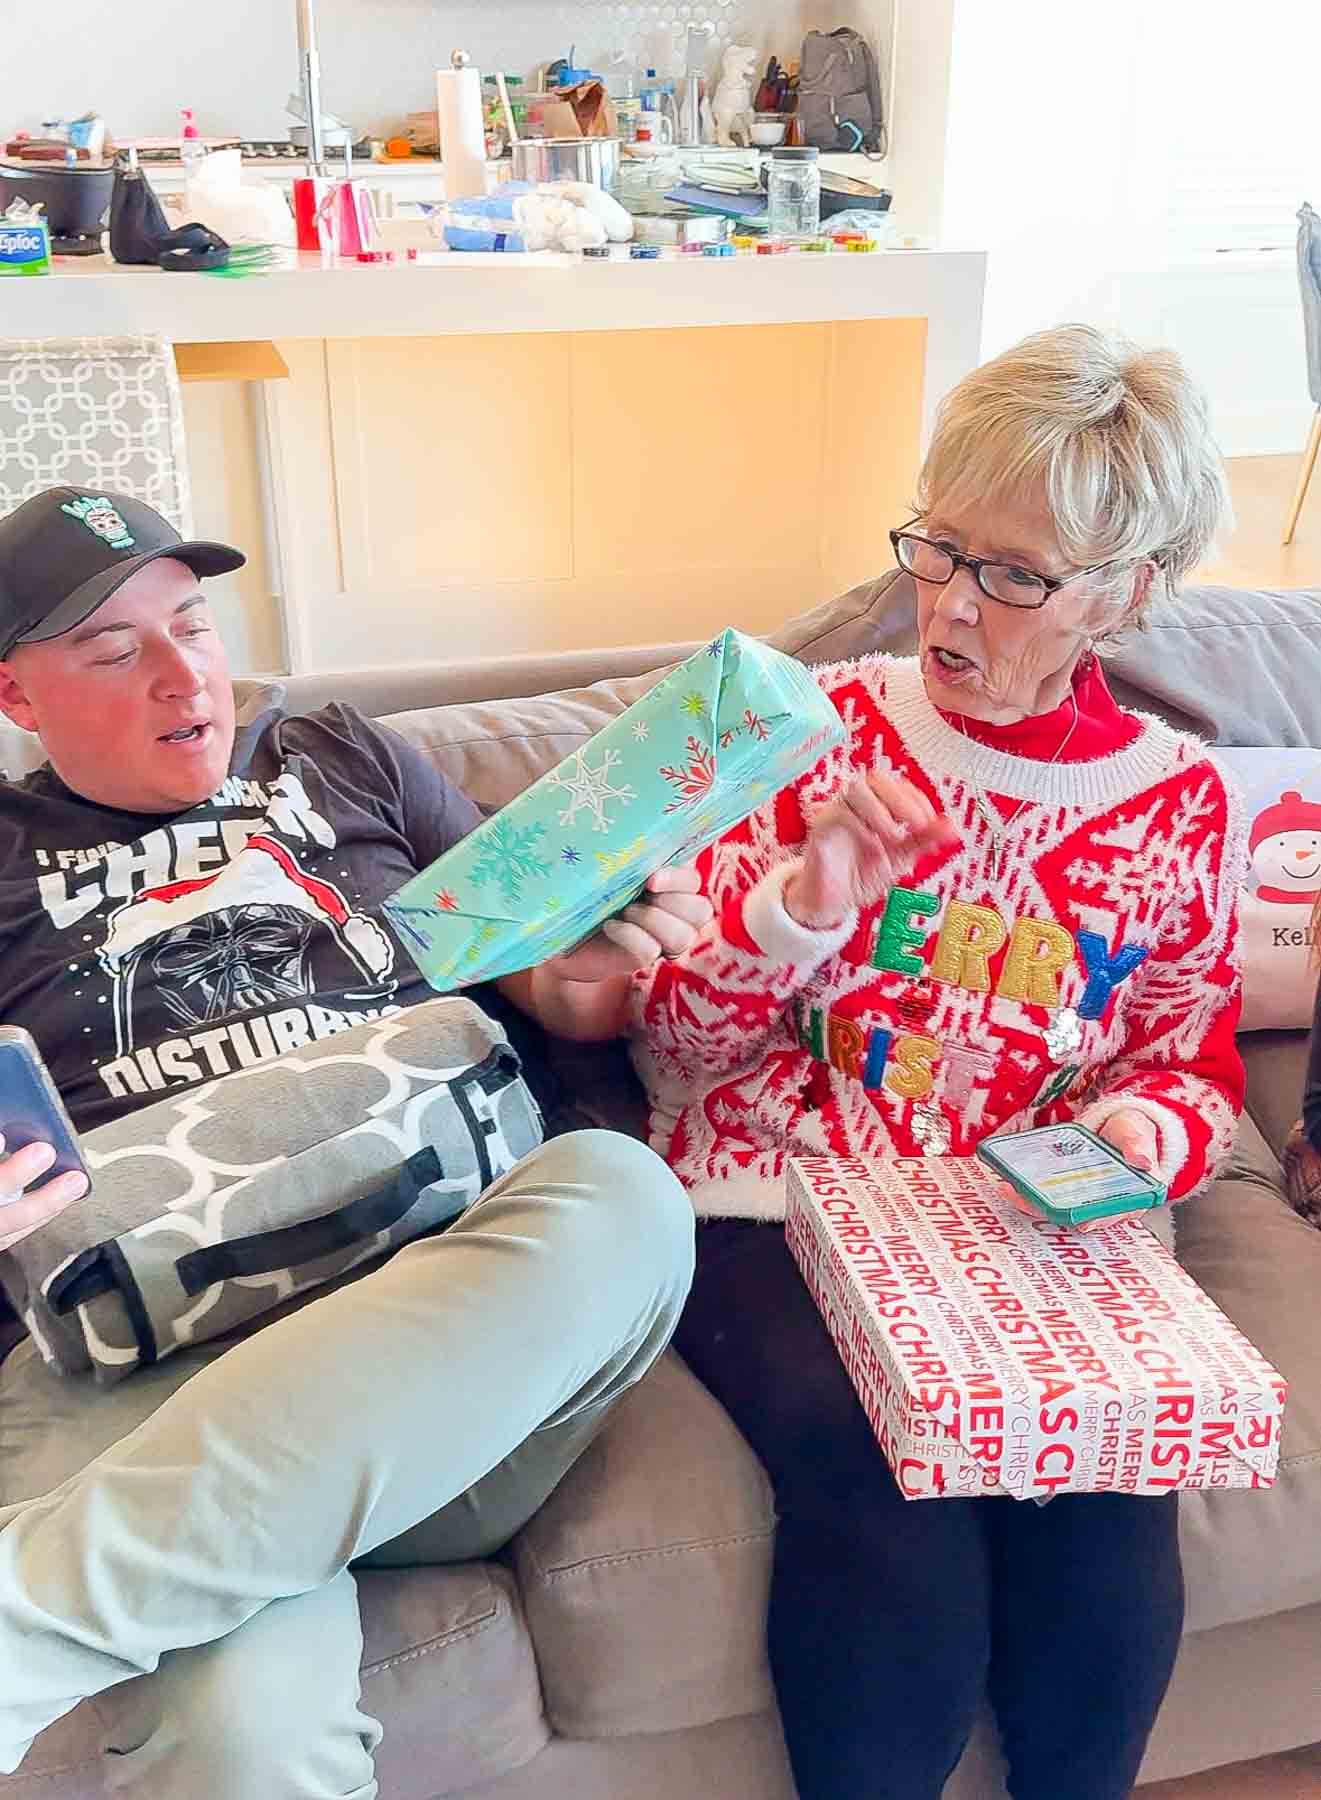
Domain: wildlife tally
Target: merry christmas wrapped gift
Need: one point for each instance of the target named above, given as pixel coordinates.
(695, 755)
(998, 1355)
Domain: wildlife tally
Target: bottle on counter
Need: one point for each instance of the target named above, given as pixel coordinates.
(656, 92)
(622, 87)
(622, 77)
(192, 151)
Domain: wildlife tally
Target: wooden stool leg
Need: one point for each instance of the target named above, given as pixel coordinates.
(1304, 475)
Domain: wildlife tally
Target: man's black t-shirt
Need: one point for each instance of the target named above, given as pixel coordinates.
(148, 953)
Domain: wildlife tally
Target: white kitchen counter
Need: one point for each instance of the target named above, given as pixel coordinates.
(499, 294)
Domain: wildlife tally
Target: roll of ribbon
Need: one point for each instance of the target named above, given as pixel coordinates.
(462, 131)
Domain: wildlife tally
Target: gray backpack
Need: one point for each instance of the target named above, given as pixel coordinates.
(839, 93)
(212, 1208)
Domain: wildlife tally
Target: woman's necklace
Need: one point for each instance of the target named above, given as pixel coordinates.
(995, 825)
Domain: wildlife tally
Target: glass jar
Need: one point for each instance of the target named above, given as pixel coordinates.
(795, 192)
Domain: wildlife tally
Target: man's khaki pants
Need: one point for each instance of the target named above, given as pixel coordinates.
(419, 1415)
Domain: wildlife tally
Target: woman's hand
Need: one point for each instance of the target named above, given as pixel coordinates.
(1131, 1133)
(1135, 1137)
(665, 923)
(584, 994)
(859, 846)
(21, 1212)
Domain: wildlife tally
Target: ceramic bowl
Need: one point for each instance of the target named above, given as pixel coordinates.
(768, 129)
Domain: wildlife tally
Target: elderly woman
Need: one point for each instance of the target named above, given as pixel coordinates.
(1005, 901)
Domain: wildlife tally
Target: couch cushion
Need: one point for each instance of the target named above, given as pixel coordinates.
(493, 749)
(1251, 1553)
(66, 1762)
(1240, 663)
(414, 686)
(875, 616)
(645, 1575)
(733, 1759)
(448, 1669)
(1276, 1064)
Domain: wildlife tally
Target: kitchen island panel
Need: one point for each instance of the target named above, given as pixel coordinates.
(698, 450)
(489, 496)
(871, 456)
(453, 460)
(502, 495)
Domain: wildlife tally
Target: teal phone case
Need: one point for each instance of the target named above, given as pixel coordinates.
(1145, 1194)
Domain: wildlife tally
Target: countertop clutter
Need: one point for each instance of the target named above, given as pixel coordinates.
(634, 164)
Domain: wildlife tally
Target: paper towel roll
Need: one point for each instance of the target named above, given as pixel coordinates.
(462, 134)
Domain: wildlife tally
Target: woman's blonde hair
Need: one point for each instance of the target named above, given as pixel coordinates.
(1117, 436)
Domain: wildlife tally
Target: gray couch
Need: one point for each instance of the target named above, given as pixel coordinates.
(617, 1648)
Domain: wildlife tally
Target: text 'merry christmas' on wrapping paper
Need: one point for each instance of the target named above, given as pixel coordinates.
(996, 1355)
(695, 755)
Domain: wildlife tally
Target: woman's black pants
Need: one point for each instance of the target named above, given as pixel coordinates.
(891, 1619)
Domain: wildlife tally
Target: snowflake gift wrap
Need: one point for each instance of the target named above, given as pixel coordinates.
(698, 753)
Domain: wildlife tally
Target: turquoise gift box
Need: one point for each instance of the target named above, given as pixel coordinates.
(699, 752)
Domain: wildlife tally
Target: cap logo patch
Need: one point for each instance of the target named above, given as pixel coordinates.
(100, 516)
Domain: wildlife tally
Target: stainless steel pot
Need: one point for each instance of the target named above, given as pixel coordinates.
(593, 159)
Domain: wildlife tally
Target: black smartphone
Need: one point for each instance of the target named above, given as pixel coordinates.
(31, 1111)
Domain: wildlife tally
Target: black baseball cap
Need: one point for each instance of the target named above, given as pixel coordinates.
(67, 549)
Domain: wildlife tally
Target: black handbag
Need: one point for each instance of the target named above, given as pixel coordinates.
(137, 221)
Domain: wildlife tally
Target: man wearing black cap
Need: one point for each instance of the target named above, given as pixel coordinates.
(184, 892)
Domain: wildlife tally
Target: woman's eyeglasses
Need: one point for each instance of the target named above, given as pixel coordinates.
(1009, 583)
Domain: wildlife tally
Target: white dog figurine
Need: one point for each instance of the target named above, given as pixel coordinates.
(733, 101)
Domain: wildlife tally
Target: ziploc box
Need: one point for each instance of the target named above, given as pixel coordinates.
(998, 1355)
(696, 754)
(24, 248)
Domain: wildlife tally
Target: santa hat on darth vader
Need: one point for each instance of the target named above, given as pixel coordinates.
(265, 873)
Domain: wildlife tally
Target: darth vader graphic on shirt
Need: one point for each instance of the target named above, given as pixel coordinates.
(236, 941)
(212, 934)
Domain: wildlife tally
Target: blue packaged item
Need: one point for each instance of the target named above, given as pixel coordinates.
(702, 750)
(645, 252)
(719, 250)
(24, 241)
(487, 221)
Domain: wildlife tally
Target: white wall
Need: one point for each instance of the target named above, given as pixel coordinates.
(1078, 146)
(922, 34)
(235, 61)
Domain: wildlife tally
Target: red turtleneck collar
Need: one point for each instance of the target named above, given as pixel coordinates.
(1103, 727)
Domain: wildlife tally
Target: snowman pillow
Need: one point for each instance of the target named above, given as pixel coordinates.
(1282, 799)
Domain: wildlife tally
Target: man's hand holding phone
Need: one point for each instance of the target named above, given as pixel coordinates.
(27, 1202)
